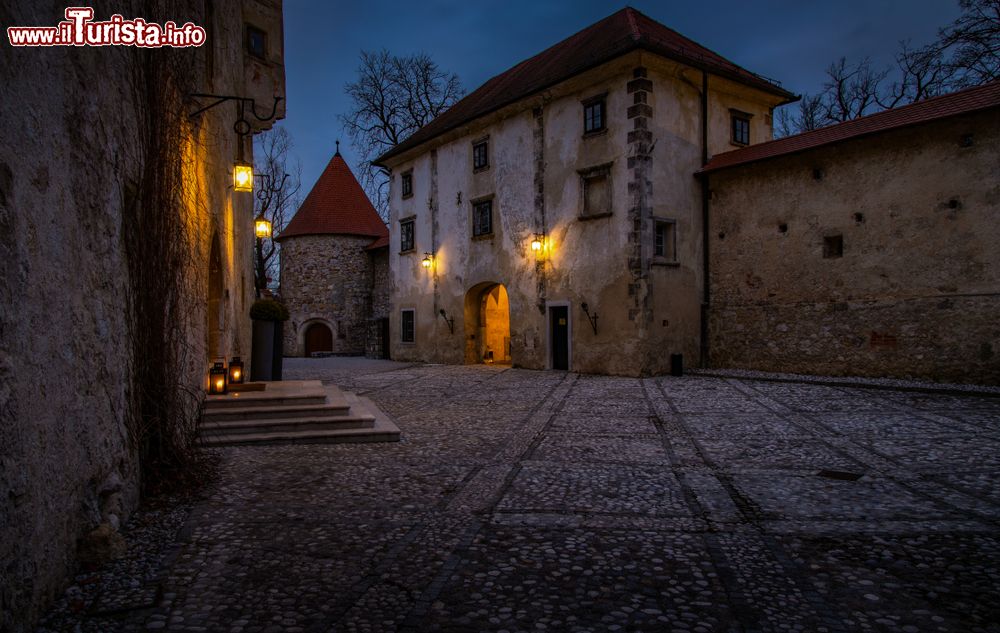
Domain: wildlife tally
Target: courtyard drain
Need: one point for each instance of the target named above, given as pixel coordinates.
(840, 474)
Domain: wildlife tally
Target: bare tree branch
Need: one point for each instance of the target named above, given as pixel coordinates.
(276, 197)
(392, 98)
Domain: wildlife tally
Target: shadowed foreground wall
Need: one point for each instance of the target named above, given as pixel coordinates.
(916, 292)
(70, 154)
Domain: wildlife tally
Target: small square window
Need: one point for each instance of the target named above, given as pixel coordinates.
(741, 129)
(256, 42)
(593, 116)
(407, 329)
(665, 240)
(480, 155)
(405, 236)
(406, 184)
(833, 246)
(482, 218)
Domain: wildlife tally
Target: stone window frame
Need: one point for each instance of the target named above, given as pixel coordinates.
(406, 184)
(249, 31)
(473, 204)
(481, 142)
(600, 101)
(412, 221)
(664, 259)
(413, 326)
(737, 131)
(587, 174)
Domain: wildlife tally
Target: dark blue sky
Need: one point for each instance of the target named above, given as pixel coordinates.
(791, 41)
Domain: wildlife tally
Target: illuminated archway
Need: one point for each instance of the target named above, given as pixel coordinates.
(487, 324)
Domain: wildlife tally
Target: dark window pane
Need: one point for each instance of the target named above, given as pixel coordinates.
(482, 218)
(593, 116)
(480, 157)
(741, 130)
(406, 235)
(407, 185)
(659, 238)
(256, 42)
(406, 327)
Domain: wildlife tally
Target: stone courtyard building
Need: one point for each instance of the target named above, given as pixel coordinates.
(602, 207)
(334, 270)
(91, 139)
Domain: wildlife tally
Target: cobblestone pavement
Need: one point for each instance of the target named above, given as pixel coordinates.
(533, 501)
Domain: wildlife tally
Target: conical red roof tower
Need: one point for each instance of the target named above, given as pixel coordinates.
(337, 205)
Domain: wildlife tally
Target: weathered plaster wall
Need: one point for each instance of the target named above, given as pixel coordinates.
(327, 279)
(917, 290)
(537, 149)
(67, 151)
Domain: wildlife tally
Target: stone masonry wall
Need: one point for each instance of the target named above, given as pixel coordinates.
(379, 302)
(327, 279)
(916, 290)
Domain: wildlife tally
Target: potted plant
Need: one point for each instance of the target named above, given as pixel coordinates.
(268, 317)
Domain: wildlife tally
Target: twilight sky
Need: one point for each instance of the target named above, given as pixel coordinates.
(792, 41)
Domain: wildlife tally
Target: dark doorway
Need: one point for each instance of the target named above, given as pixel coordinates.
(319, 338)
(559, 336)
(383, 326)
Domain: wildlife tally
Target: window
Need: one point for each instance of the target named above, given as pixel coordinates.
(406, 235)
(256, 42)
(665, 240)
(407, 332)
(593, 115)
(480, 155)
(833, 246)
(406, 184)
(596, 191)
(741, 128)
(482, 218)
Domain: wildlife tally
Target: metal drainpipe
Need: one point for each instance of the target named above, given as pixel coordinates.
(704, 221)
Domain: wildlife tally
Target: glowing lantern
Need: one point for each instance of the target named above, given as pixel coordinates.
(236, 371)
(217, 378)
(426, 261)
(536, 243)
(242, 176)
(262, 227)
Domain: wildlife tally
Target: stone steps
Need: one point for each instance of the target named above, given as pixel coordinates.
(292, 412)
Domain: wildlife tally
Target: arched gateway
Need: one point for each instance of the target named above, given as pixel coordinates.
(487, 324)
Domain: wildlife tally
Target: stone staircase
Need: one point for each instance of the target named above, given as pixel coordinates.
(292, 412)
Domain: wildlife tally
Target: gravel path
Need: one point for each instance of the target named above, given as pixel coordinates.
(545, 501)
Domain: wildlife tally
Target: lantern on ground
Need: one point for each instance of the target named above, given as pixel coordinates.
(262, 227)
(236, 371)
(217, 378)
(242, 176)
(426, 261)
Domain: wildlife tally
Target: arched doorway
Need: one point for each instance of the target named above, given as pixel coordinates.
(318, 338)
(487, 324)
(215, 315)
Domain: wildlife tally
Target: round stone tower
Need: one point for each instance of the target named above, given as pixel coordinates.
(332, 254)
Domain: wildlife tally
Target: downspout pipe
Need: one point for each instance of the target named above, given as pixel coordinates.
(706, 287)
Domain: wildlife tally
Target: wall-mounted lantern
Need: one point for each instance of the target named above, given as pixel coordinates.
(427, 261)
(242, 175)
(537, 243)
(217, 378)
(236, 371)
(262, 227)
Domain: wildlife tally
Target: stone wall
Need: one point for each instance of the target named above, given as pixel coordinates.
(381, 283)
(917, 289)
(68, 156)
(327, 279)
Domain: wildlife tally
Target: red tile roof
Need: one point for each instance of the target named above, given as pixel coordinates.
(612, 37)
(970, 100)
(337, 205)
(382, 242)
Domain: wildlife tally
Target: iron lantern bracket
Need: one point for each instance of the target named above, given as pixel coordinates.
(450, 322)
(590, 317)
(242, 125)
